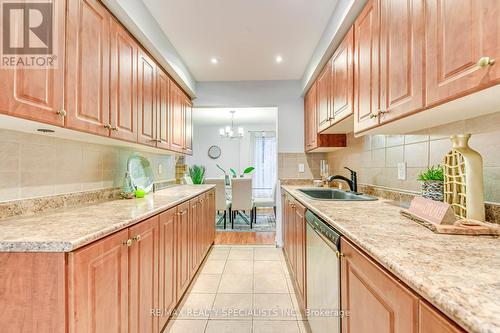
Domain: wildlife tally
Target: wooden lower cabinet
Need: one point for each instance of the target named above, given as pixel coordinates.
(143, 276)
(432, 321)
(183, 247)
(167, 288)
(376, 302)
(98, 277)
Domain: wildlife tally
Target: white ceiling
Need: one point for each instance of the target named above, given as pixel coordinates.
(243, 116)
(244, 35)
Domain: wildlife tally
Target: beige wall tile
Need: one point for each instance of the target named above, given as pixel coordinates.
(378, 158)
(395, 140)
(417, 155)
(377, 141)
(437, 150)
(9, 156)
(393, 156)
(491, 184)
(487, 145)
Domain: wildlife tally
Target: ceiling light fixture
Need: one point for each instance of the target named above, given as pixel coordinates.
(229, 131)
(214, 61)
(279, 59)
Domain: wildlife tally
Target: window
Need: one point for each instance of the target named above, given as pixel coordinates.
(264, 178)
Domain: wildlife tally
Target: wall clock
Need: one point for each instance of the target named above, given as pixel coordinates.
(214, 152)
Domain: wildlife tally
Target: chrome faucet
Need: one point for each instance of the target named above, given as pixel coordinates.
(353, 182)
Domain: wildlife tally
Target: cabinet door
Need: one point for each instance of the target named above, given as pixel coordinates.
(123, 96)
(401, 58)
(188, 123)
(162, 110)
(98, 284)
(210, 220)
(458, 34)
(310, 122)
(194, 234)
(375, 300)
(182, 248)
(87, 67)
(37, 94)
(324, 97)
(146, 112)
(203, 234)
(290, 221)
(342, 78)
(143, 276)
(177, 112)
(167, 267)
(366, 68)
(431, 321)
(300, 250)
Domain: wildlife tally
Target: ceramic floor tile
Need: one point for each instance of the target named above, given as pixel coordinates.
(273, 307)
(267, 326)
(268, 254)
(304, 326)
(228, 326)
(196, 306)
(236, 283)
(219, 254)
(183, 326)
(232, 307)
(238, 253)
(268, 267)
(270, 283)
(213, 267)
(295, 302)
(206, 283)
(239, 267)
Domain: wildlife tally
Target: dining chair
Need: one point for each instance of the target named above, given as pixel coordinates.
(241, 200)
(265, 203)
(221, 203)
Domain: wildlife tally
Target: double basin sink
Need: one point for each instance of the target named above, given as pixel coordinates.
(331, 194)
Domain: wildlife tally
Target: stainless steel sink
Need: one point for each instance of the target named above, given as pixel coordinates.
(332, 194)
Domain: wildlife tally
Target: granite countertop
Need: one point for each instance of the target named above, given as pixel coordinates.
(459, 275)
(68, 229)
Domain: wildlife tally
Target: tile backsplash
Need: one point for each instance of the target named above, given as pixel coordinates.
(288, 165)
(33, 165)
(376, 157)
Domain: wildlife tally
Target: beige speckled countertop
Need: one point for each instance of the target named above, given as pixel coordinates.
(459, 275)
(68, 229)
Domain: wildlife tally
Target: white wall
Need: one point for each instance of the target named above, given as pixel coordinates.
(285, 95)
(236, 153)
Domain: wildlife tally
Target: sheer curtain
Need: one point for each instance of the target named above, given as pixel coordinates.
(264, 177)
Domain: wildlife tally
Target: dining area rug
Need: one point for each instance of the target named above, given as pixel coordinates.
(266, 221)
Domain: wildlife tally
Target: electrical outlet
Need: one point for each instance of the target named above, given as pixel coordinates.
(301, 168)
(402, 171)
(160, 169)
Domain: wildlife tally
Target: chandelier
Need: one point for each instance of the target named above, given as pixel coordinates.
(229, 131)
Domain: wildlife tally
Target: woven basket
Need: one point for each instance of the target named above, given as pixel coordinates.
(433, 189)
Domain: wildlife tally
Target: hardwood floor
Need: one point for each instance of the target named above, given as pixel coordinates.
(244, 238)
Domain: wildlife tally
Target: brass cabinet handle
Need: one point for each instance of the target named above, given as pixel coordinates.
(128, 242)
(61, 113)
(373, 115)
(116, 129)
(136, 238)
(380, 112)
(107, 126)
(339, 254)
(484, 62)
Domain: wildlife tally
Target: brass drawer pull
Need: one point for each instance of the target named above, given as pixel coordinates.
(484, 62)
(61, 113)
(137, 238)
(128, 242)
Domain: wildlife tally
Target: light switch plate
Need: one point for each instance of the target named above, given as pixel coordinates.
(301, 168)
(160, 169)
(402, 171)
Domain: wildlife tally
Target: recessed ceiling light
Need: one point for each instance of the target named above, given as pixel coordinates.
(214, 61)
(279, 59)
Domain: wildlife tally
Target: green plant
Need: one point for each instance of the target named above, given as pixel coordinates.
(220, 168)
(197, 173)
(233, 172)
(248, 170)
(432, 173)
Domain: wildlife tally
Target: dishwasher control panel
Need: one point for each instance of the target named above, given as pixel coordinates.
(323, 228)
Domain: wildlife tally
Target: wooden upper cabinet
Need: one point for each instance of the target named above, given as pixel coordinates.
(87, 67)
(37, 94)
(98, 286)
(323, 93)
(182, 248)
(401, 58)
(188, 123)
(177, 113)
(123, 96)
(432, 321)
(310, 122)
(143, 276)
(375, 300)
(366, 68)
(342, 79)
(163, 116)
(146, 113)
(458, 34)
(167, 266)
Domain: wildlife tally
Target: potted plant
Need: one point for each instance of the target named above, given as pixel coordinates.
(197, 174)
(432, 183)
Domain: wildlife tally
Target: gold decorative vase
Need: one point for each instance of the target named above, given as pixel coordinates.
(463, 179)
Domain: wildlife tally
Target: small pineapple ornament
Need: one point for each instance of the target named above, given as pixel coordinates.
(463, 179)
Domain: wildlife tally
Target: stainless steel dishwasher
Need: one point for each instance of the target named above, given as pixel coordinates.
(322, 275)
